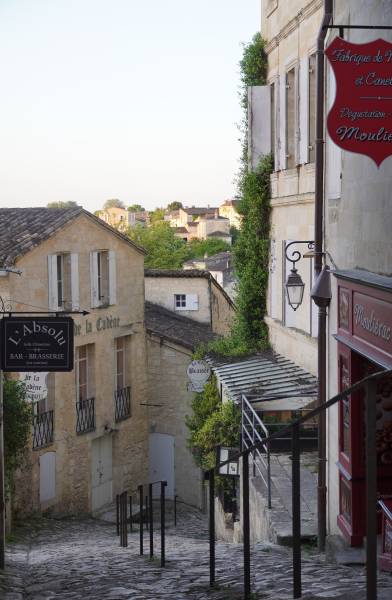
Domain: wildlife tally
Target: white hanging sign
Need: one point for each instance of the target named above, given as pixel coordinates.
(199, 373)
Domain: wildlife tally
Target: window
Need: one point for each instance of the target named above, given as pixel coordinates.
(120, 363)
(84, 372)
(273, 125)
(103, 278)
(290, 119)
(180, 300)
(186, 302)
(63, 281)
(312, 108)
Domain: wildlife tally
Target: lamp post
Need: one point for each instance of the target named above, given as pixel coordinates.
(294, 284)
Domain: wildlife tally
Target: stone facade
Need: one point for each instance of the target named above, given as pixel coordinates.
(118, 449)
(358, 218)
(290, 31)
(207, 302)
(167, 384)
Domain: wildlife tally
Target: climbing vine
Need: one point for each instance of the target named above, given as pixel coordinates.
(17, 427)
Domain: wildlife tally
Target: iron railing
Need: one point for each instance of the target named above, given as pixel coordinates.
(122, 404)
(369, 386)
(85, 415)
(43, 429)
(254, 431)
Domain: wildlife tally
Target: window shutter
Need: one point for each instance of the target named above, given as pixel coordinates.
(304, 110)
(53, 301)
(192, 302)
(277, 125)
(94, 279)
(75, 281)
(282, 122)
(112, 277)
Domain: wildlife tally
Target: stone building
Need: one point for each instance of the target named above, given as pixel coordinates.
(290, 31)
(191, 293)
(171, 340)
(357, 222)
(228, 210)
(90, 431)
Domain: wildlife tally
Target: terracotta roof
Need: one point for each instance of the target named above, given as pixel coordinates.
(176, 328)
(218, 234)
(181, 230)
(22, 229)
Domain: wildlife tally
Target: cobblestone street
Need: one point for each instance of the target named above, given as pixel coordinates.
(81, 559)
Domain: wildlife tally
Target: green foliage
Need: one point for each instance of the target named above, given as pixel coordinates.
(199, 248)
(60, 204)
(113, 203)
(164, 250)
(17, 427)
(157, 215)
(174, 205)
(212, 423)
(136, 208)
(234, 232)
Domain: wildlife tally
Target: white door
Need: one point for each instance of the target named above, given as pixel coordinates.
(161, 448)
(47, 477)
(101, 472)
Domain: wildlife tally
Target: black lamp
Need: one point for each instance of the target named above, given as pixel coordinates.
(295, 289)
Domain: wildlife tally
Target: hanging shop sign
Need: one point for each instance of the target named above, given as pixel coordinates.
(199, 373)
(36, 385)
(360, 119)
(37, 344)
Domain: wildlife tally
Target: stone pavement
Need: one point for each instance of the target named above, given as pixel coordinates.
(74, 559)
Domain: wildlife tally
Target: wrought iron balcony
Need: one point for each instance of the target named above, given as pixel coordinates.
(43, 429)
(122, 402)
(85, 415)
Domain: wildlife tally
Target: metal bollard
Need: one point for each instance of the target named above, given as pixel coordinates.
(130, 515)
(141, 517)
(118, 514)
(175, 511)
(151, 516)
(163, 558)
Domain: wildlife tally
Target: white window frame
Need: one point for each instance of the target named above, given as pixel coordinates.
(98, 299)
(56, 281)
(78, 361)
(120, 361)
(191, 302)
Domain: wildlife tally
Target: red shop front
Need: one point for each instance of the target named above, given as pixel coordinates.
(364, 347)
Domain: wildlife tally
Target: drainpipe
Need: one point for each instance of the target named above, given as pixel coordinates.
(318, 248)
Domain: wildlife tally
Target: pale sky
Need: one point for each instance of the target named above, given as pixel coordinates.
(129, 99)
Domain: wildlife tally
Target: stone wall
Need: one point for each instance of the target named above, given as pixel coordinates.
(167, 383)
(100, 327)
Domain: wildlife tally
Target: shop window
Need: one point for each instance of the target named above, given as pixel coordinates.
(103, 278)
(63, 281)
(291, 119)
(312, 108)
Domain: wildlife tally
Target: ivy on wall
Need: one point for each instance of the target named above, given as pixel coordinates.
(17, 428)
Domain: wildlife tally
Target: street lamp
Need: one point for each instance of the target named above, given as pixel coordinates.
(294, 284)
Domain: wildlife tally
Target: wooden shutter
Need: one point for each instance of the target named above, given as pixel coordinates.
(282, 122)
(304, 110)
(94, 279)
(53, 301)
(192, 302)
(75, 281)
(112, 277)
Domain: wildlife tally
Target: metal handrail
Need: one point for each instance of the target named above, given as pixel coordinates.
(262, 456)
(369, 384)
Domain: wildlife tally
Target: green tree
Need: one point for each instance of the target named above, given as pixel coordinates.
(164, 249)
(234, 232)
(17, 427)
(113, 203)
(157, 215)
(174, 205)
(211, 424)
(136, 208)
(199, 248)
(61, 204)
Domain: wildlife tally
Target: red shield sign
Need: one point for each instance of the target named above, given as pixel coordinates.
(360, 119)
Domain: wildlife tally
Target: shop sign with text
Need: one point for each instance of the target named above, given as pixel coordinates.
(37, 344)
(199, 373)
(360, 119)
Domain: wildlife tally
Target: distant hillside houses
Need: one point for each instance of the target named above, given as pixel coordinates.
(202, 222)
(121, 218)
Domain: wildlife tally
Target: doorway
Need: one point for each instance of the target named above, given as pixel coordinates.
(101, 472)
(161, 452)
